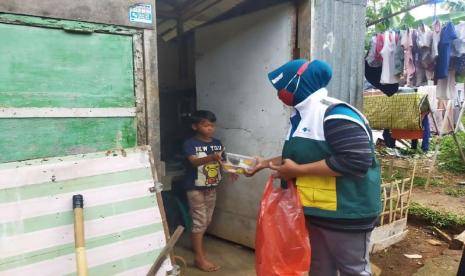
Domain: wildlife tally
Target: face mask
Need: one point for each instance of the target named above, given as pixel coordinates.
(285, 95)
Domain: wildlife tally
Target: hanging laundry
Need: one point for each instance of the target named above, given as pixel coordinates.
(387, 74)
(420, 73)
(448, 35)
(460, 65)
(373, 76)
(459, 51)
(435, 38)
(399, 58)
(371, 56)
(430, 90)
(458, 48)
(409, 66)
(379, 47)
(425, 40)
(446, 87)
(425, 36)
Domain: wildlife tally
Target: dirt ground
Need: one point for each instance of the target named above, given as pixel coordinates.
(393, 262)
(436, 259)
(233, 259)
(436, 199)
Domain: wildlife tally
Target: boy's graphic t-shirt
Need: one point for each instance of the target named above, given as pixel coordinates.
(206, 176)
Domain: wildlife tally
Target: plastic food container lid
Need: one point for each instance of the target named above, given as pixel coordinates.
(237, 163)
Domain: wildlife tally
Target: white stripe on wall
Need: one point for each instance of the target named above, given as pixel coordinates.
(56, 112)
(63, 202)
(17, 177)
(20, 244)
(98, 256)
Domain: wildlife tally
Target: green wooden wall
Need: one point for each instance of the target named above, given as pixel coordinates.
(44, 67)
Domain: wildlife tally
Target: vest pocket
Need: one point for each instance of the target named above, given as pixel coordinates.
(318, 192)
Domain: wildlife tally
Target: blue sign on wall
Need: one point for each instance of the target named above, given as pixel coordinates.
(141, 13)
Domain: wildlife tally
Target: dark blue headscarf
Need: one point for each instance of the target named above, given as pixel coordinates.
(317, 76)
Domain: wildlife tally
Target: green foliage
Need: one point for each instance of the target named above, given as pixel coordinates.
(437, 218)
(455, 192)
(378, 9)
(407, 20)
(455, 5)
(455, 17)
(419, 182)
(449, 156)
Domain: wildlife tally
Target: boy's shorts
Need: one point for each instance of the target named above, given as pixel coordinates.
(202, 205)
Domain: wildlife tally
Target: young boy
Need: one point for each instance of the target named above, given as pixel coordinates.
(203, 174)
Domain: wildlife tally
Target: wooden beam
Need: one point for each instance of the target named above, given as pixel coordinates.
(303, 29)
(166, 251)
(139, 88)
(442, 234)
(458, 241)
(152, 95)
(167, 15)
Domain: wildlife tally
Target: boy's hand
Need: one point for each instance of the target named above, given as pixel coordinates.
(287, 171)
(217, 156)
(260, 165)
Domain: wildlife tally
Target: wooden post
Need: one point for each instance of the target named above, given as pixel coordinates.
(390, 203)
(436, 148)
(391, 167)
(411, 188)
(458, 241)
(79, 239)
(433, 162)
(402, 199)
(449, 119)
(166, 251)
(139, 87)
(458, 146)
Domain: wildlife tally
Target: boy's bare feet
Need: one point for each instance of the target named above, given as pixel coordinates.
(205, 265)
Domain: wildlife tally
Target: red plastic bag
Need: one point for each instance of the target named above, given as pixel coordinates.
(282, 245)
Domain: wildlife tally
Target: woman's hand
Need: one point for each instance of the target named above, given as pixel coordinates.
(259, 165)
(233, 177)
(287, 171)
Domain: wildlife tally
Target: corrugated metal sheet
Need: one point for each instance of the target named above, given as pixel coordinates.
(123, 226)
(337, 36)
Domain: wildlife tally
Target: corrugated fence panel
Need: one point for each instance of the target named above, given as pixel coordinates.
(123, 226)
(337, 36)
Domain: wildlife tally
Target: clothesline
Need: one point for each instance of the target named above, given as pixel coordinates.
(414, 56)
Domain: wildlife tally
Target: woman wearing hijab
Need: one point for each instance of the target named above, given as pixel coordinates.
(329, 154)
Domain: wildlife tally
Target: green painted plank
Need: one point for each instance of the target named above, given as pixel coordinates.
(42, 67)
(64, 24)
(22, 139)
(65, 218)
(50, 189)
(125, 264)
(65, 249)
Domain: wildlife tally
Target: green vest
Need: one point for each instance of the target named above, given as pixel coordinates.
(330, 197)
